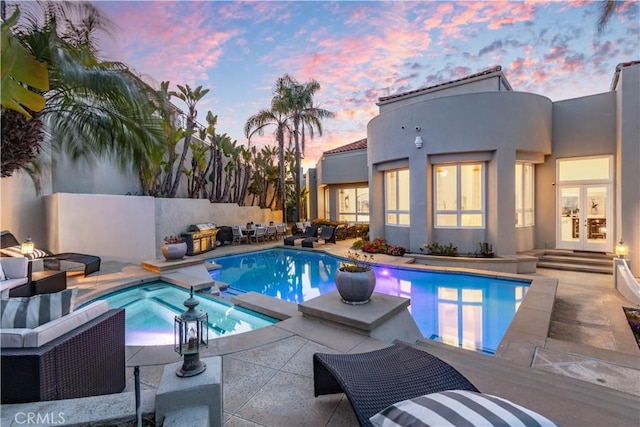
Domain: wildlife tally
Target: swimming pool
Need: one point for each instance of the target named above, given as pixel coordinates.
(150, 310)
(463, 310)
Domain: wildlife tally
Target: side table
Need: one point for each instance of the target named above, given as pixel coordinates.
(48, 281)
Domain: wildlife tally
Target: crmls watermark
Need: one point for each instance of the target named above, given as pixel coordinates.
(39, 418)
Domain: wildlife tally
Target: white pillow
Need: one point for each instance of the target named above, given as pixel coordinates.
(37, 310)
(2, 275)
(455, 408)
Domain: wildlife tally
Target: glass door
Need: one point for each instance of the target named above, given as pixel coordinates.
(585, 211)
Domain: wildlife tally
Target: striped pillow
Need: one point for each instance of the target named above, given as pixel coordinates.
(37, 310)
(457, 408)
(16, 251)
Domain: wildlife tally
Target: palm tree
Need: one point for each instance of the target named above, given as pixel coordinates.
(191, 97)
(298, 101)
(92, 108)
(608, 8)
(275, 116)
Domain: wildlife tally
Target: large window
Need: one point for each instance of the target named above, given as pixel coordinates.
(459, 195)
(397, 202)
(353, 204)
(524, 195)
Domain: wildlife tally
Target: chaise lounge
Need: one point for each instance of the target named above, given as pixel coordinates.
(401, 384)
(310, 231)
(328, 234)
(9, 246)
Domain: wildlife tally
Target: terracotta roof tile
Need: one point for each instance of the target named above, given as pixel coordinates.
(424, 89)
(358, 145)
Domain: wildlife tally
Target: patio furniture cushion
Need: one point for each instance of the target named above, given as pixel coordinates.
(457, 408)
(37, 310)
(377, 379)
(37, 337)
(16, 251)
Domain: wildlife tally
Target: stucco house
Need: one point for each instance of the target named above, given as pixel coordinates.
(472, 161)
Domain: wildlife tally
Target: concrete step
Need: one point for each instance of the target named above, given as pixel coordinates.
(563, 259)
(585, 268)
(578, 254)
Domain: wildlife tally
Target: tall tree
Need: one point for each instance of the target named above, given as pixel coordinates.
(298, 101)
(275, 116)
(92, 108)
(190, 97)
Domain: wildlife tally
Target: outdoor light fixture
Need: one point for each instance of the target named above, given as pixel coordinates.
(190, 332)
(27, 247)
(418, 141)
(621, 249)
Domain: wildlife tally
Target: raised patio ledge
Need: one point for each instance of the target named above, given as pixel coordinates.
(516, 264)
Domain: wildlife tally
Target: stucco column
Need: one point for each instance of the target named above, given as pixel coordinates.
(418, 196)
(501, 228)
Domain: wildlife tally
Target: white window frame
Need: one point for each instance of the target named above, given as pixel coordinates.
(521, 202)
(458, 208)
(396, 212)
(358, 215)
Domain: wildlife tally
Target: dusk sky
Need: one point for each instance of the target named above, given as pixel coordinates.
(360, 51)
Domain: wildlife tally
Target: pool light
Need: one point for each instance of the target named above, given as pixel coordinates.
(190, 332)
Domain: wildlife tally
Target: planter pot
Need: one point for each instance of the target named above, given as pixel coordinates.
(355, 288)
(174, 251)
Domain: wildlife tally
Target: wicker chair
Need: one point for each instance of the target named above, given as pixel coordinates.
(374, 380)
(88, 361)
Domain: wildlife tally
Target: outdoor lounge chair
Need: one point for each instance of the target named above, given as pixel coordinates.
(11, 247)
(310, 231)
(375, 380)
(328, 234)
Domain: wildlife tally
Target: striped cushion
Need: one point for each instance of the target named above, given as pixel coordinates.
(16, 251)
(37, 310)
(457, 408)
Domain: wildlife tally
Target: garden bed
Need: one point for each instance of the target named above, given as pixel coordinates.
(633, 317)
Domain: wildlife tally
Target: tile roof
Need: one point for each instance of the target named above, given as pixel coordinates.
(424, 89)
(358, 145)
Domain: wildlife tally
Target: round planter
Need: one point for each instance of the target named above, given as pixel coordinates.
(355, 288)
(174, 251)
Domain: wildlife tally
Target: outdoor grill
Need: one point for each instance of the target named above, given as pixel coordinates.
(200, 238)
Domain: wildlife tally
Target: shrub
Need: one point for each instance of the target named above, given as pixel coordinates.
(358, 244)
(442, 250)
(396, 250)
(378, 246)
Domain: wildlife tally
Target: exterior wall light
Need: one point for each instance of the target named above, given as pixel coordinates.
(418, 141)
(27, 247)
(622, 250)
(190, 332)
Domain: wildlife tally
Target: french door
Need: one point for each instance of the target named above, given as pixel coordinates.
(585, 205)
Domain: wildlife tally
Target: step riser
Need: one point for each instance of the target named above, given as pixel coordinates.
(586, 262)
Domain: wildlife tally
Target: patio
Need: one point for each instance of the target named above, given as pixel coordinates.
(586, 372)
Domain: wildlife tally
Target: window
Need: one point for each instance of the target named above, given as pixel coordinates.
(524, 194)
(459, 195)
(397, 202)
(353, 204)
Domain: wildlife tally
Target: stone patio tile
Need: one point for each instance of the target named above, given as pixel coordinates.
(273, 355)
(287, 400)
(302, 362)
(240, 381)
(344, 415)
(533, 322)
(331, 336)
(235, 421)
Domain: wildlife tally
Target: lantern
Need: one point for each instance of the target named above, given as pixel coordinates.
(190, 333)
(27, 247)
(621, 249)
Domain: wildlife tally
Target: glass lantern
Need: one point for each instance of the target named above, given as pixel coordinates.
(622, 250)
(190, 334)
(27, 247)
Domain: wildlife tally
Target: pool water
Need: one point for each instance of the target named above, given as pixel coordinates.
(463, 310)
(150, 311)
